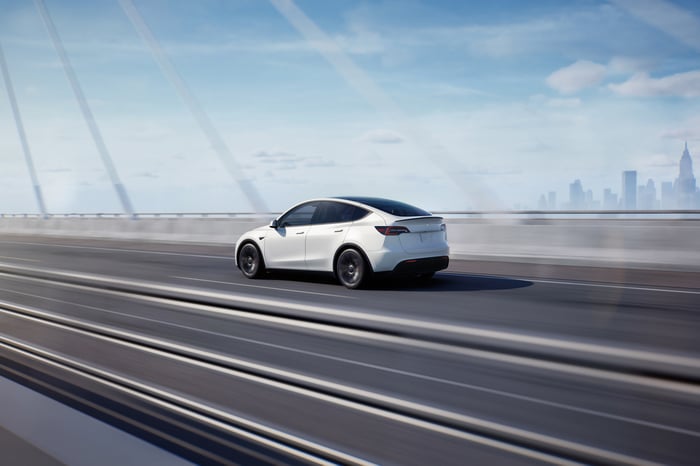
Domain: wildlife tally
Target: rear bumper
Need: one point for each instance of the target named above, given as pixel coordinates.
(424, 265)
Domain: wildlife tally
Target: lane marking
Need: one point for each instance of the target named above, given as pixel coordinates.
(160, 348)
(19, 259)
(392, 341)
(134, 251)
(265, 287)
(625, 287)
(501, 336)
(564, 282)
(441, 380)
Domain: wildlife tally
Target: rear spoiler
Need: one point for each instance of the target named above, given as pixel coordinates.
(431, 217)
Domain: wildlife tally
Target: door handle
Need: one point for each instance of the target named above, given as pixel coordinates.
(300, 232)
(338, 231)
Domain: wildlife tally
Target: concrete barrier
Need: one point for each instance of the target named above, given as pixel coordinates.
(667, 244)
(651, 243)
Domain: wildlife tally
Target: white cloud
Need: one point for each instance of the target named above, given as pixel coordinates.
(687, 131)
(361, 40)
(642, 85)
(382, 136)
(628, 65)
(451, 90)
(660, 161)
(564, 103)
(576, 77)
(671, 19)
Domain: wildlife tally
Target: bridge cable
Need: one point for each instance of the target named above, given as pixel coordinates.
(217, 142)
(85, 108)
(361, 82)
(22, 135)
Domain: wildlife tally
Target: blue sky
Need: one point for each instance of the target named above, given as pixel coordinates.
(448, 105)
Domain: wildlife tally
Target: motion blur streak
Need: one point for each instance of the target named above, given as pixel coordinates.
(85, 109)
(477, 368)
(363, 84)
(21, 133)
(217, 142)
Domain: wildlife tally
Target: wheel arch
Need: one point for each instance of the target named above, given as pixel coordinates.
(243, 243)
(356, 247)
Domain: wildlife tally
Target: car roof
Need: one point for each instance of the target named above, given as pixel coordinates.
(378, 205)
(387, 206)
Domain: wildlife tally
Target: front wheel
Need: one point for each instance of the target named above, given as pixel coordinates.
(250, 261)
(351, 269)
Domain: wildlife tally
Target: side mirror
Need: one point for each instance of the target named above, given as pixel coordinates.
(274, 224)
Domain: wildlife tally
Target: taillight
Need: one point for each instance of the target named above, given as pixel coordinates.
(392, 231)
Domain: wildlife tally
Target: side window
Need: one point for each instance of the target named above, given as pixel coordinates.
(358, 213)
(299, 216)
(338, 212)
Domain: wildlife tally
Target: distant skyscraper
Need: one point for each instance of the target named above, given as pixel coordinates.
(646, 196)
(668, 199)
(629, 189)
(552, 200)
(610, 200)
(685, 186)
(577, 198)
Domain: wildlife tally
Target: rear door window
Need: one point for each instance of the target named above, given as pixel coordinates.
(338, 212)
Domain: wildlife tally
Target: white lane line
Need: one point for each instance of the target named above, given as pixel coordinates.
(624, 287)
(394, 341)
(19, 259)
(135, 251)
(402, 372)
(416, 375)
(265, 287)
(463, 331)
(564, 282)
(230, 366)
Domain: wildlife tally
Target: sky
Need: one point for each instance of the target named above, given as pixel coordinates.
(447, 105)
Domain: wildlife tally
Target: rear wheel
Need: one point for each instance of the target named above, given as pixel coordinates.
(351, 269)
(250, 261)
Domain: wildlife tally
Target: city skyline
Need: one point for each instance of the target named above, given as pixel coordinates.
(681, 193)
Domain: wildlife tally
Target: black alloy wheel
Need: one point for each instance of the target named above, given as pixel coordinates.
(250, 261)
(351, 269)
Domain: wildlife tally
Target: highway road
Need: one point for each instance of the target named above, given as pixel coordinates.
(488, 364)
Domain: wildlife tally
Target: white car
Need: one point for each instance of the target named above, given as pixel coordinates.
(352, 237)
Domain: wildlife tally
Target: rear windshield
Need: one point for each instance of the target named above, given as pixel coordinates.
(400, 209)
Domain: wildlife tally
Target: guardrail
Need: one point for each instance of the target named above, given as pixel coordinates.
(447, 213)
(143, 215)
(665, 240)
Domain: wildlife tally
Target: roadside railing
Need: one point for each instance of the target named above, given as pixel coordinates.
(642, 213)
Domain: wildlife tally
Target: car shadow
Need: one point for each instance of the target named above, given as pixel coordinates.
(448, 282)
(441, 282)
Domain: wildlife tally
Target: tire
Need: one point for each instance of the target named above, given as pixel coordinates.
(426, 277)
(250, 261)
(352, 269)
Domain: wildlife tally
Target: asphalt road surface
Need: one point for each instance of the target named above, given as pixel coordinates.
(553, 366)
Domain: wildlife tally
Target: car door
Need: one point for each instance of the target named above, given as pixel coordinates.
(285, 247)
(328, 230)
